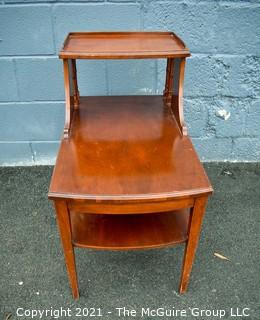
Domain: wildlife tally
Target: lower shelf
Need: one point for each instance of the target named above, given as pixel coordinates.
(136, 231)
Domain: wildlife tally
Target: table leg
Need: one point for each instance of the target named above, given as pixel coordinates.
(197, 213)
(75, 84)
(63, 220)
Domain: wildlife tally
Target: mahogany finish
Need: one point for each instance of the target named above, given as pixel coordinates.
(127, 175)
(129, 148)
(122, 45)
(63, 218)
(128, 231)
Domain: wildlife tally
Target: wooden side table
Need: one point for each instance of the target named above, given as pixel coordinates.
(127, 175)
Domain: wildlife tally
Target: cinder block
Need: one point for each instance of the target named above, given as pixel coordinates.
(214, 149)
(131, 77)
(8, 88)
(12, 154)
(201, 76)
(196, 117)
(91, 77)
(227, 117)
(94, 17)
(247, 149)
(238, 28)
(45, 152)
(239, 76)
(40, 79)
(252, 76)
(252, 122)
(26, 30)
(193, 22)
(31, 121)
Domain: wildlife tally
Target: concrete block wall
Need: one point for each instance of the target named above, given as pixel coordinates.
(222, 91)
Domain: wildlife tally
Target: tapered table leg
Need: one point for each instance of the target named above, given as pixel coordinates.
(196, 218)
(65, 233)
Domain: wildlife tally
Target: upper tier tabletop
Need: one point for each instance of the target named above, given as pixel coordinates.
(126, 148)
(122, 45)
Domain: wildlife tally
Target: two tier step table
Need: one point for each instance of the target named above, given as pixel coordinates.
(127, 175)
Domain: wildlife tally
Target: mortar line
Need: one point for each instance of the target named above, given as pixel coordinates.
(186, 97)
(231, 2)
(193, 54)
(142, 6)
(31, 148)
(53, 29)
(28, 141)
(16, 79)
(31, 102)
(32, 56)
(107, 78)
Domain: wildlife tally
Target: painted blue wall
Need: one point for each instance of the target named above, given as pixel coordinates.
(223, 74)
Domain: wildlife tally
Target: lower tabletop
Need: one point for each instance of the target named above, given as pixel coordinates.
(129, 231)
(126, 148)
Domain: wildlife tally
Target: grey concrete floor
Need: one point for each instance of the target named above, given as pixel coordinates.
(33, 274)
